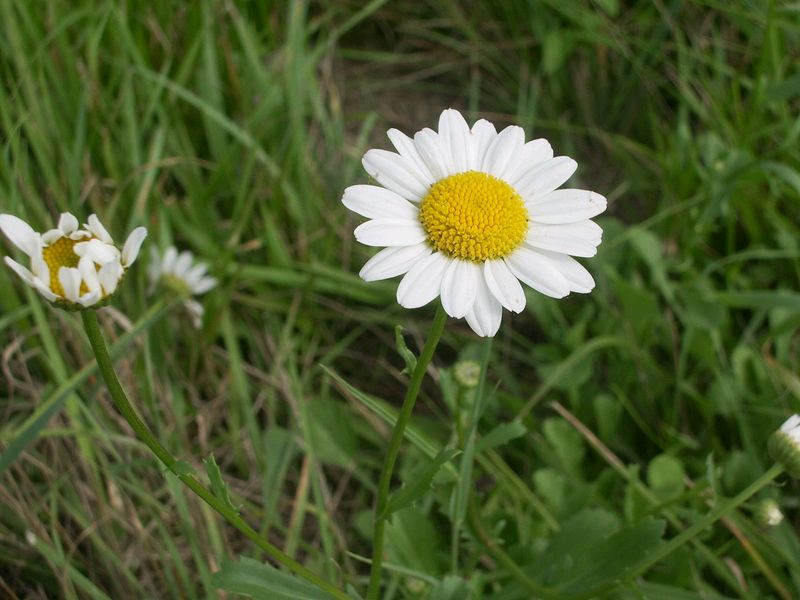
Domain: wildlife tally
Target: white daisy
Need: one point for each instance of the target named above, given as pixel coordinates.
(181, 274)
(71, 266)
(466, 214)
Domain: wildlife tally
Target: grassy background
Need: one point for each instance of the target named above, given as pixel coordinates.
(231, 129)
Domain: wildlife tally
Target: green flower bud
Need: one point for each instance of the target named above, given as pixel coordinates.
(768, 513)
(784, 445)
(467, 373)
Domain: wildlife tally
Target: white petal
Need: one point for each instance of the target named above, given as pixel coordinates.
(183, 264)
(196, 311)
(390, 232)
(394, 172)
(544, 177)
(486, 313)
(67, 223)
(204, 285)
(533, 153)
(170, 256)
(40, 269)
(578, 278)
(454, 131)
(391, 262)
(406, 148)
(89, 274)
(376, 202)
(483, 133)
(20, 233)
(790, 424)
(435, 153)
(109, 276)
(532, 268)
(503, 285)
(577, 239)
(423, 282)
(96, 228)
(23, 272)
(51, 235)
(566, 206)
(132, 245)
(44, 290)
(504, 152)
(98, 251)
(70, 280)
(459, 286)
(195, 274)
(89, 298)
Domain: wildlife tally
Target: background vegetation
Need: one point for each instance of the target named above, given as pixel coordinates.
(231, 129)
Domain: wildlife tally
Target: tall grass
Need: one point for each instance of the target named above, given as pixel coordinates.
(231, 129)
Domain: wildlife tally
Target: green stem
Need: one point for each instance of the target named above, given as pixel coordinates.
(464, 488)
(385, 481)
(120, 399)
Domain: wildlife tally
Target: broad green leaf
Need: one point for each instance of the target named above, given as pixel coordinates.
(261, 581)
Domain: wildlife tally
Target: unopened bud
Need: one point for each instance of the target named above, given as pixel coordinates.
(768, 513)
(784, 445)
(467, 373)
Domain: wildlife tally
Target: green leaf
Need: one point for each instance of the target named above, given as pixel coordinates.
(415, 542)
(261, 581)
(665, 475)
(419, 485)
(502, 434)
(567, 443)
(449, 588)
(218, 486)
(403, 351)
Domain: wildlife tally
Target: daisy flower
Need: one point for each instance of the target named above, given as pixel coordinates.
(784, 445)
(182, 275)
(466, 214)
(71, 266)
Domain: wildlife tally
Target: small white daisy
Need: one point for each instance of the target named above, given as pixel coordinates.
(71, 266)
(467, 213)
(182, 275)
(784, 445)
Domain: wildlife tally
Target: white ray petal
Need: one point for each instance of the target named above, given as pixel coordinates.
(483, 134)
(503, 285)
(435, 153)
(20, 234)
(96, 228)
(486, 314)
(459, 286)
(578, 278)
(183, 264)
(423, 281)
(576, 239)
(132, 246)
(405, 147)
(534, 270)
(390, 232)
(544, 177)
(394, 261)
(393, 172)
(89, 274)
(504, 152)
(20, 270)
(454, 131)
(566, 206)
(204, 285)
(533, 153)
(98, 251)
(89, 299)
(376, 202)
(70, 280)
(67, 223)
(109, 276)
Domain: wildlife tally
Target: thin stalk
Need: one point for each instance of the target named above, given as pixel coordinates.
(464, 488)
(385, 481)
(125, 408)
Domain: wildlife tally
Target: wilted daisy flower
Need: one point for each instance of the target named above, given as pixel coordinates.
(71, 266)
(182, 275)
(466, 214)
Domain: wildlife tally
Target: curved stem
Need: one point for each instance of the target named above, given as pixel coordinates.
(120, 399)
(385, 481)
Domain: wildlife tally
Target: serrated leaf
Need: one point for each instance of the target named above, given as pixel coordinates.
(218, 487)
(502, 434)
(419, 486)
(406, 354)
(261, 581)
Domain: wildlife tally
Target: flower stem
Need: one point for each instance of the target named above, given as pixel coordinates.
(120, 399)
(385, 481)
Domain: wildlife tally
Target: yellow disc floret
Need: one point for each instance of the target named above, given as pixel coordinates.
(61, 253)
(473, 216)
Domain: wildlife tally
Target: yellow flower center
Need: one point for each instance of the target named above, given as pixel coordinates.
(61, 253)
(473, 216)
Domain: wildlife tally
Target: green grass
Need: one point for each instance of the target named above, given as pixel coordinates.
(231, 129)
